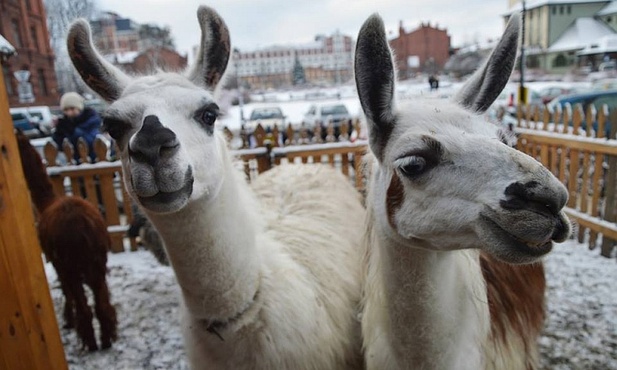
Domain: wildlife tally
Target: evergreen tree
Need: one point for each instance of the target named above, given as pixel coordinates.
(297, 74)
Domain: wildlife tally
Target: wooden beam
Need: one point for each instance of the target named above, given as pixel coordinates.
(570, 141)
(29, 336)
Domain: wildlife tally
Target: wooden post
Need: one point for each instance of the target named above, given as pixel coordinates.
(29, 336)
(610, 190)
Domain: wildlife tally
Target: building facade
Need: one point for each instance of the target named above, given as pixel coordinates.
(425, 49)
(556, 30)
(327, 60)
(23, 24)
(114, 34)
(149, 60)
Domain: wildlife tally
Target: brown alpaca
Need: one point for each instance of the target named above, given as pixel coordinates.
(74, 237)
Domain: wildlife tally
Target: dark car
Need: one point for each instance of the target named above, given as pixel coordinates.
(25, 124)
(595, 98)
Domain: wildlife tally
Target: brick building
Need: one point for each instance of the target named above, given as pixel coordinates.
(425, 49)
(23, 23)
(149, 60)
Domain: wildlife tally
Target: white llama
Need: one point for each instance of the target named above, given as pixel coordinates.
(450, 209)
(270, 276)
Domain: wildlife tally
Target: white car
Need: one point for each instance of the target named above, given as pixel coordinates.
(268, 117)
(324, 113)
(41, 116)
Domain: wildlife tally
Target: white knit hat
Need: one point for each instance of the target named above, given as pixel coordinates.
(72, 100)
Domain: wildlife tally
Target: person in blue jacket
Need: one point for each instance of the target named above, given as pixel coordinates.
(77, 122)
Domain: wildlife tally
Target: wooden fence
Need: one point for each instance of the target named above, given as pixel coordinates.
(575, 146)
(100, 182)
(581, 150)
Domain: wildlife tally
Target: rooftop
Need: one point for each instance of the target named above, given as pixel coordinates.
(5, 47)
(579, 33)
(532, 4)
(610, 8)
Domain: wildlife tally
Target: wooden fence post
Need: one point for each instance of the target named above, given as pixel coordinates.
(610, 214)
(29, 336)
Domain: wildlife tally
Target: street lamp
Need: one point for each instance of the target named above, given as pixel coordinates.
(239, 85)
(522, 91)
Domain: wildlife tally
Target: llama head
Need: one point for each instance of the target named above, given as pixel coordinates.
(443, 177)
(163, 123)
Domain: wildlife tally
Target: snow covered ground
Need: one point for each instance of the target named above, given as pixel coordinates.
(581, 325)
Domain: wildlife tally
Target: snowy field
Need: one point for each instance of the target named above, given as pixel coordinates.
(581, 325)
(295, 104)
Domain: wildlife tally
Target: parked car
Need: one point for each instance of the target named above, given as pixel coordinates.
(549, 93)
(25, 123)
(605, 84)
(42, 115)
(325, 113)
(595, 98)
(267, 117)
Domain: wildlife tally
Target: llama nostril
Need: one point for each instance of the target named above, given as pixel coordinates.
(532, 195)
(152, 142)
(562, 230)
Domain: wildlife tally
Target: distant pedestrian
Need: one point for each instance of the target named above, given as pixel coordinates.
(433, 82)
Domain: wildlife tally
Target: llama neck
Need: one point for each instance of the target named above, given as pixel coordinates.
(40, 187)
(211, 246)
(42, 195)
(437, 316)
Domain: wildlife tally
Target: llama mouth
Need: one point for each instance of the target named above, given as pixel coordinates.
(515, 247)
(170, 201)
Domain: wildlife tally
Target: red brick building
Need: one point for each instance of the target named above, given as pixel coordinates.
(23, 23)
(149, 60)
(425, 49)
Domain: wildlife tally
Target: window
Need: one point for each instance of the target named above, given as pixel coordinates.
(608, 19)
(610, 100)
(530, 14)
(16, 33)
(569, 9)
(42, 82)
(561, 10)
(554, 9)
(560, 61)
(7, 80)
(35, 39)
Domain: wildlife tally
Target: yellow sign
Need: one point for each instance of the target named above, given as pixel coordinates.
(523, 96)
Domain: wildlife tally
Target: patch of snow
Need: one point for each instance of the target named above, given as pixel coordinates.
(580, 328)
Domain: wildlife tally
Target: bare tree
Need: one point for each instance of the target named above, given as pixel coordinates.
(60, 15)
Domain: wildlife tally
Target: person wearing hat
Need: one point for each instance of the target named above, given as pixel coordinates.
(77, 122)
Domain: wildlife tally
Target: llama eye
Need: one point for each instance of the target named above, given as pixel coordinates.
(413, 166)
(207, 117)
(115, 128)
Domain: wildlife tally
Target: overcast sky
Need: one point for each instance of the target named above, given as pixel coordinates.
(260, 23)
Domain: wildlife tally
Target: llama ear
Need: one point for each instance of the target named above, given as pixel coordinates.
(485, 85)
(214, 50)
(102, 77)
(374, 72)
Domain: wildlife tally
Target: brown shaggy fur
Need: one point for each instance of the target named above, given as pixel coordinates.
(515, 298)
(74, 237)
